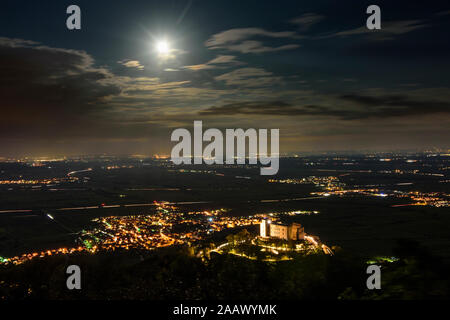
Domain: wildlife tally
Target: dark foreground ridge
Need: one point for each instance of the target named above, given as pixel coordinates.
(176, 273)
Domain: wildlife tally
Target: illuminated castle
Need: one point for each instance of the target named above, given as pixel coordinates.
(294, 231)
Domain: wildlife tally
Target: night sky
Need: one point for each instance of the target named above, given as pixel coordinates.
(309, 68)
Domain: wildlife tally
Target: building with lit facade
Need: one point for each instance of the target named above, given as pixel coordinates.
(294, 231)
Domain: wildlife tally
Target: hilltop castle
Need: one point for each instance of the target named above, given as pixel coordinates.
(294, 231)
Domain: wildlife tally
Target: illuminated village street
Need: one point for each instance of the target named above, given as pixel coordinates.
(168, 226)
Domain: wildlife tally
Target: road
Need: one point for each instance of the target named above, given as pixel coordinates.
(144, 205)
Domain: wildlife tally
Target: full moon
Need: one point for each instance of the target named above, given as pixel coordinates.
(162, 47)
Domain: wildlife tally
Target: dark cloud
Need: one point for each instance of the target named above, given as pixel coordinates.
(257, 107)
(241, 40)
(396, 105)
(220, 61)
(249, 77)
(131, 64)
(390, 30)
(273, 108)
(348, 107)
(443, 13)
(307, 20)
(43, 87)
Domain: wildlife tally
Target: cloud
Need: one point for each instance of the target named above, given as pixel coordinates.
(36, 78)
(249, 107)
(57, 100)
(356, 107)
(388, 29)
(252, 46)
(234, 35)
(307, 20)
(238, 40)
(272, 108)
(248, 77)
(171, 54)
(51, 91)
(396, 105)
(14, 42)
(223, 59)
(203, 66)
(56, 93)
(443, 13)
(131, 64)
(215, 63)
